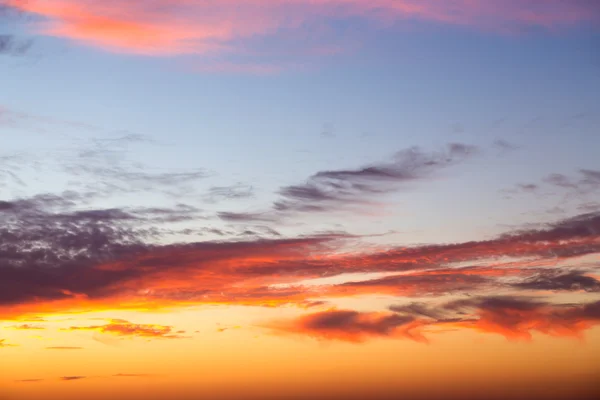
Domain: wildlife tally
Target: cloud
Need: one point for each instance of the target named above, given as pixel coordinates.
(104, 168)
(3, 343)
(223, 29)
(28, 380)
(72, 378)
(560, 281)
(11, 45)
(63, 348)
(352, 326)
(589, 181)
(124, 328)
(336, 190)
(134, 375)
(27, 327)
(232, 192)
(505, 146)
(417, 284)
(56, 256)
(515, 318)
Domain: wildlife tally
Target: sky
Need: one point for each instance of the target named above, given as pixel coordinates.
(299, 199)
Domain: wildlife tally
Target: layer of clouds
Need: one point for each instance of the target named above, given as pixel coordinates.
(55, 258)
(222, 29)
(515, 318)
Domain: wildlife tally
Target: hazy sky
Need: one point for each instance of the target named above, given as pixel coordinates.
(341, 196)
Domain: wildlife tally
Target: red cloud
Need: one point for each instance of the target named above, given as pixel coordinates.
(354, 326)
(245, 273)
(513, 318)
(516, 319)
(162, 27)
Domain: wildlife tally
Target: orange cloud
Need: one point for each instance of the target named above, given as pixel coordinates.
(269, 272)
(27, 327)
(3, 343)
(513, 318)
(516, 319)
(353, 326)
(167, 27)
(124, 328)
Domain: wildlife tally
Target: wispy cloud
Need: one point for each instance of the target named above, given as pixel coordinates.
(27, 327)
(336, 190)
(124, 328)
(352, 326)
(188, 27)
(72, 378)
(515, 318)
(4, 343)
(63, 348)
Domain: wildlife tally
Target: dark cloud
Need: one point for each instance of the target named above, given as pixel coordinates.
(72, 378)
(505, 146)
(560, 180)
(14, 46)
(588, 181)
(53, 254)
(589, 207)
(420, 310)
(352, 326)
(335, 190)
(327, 190)
(513, 317)
(518, 317)
(560, 281)
(418, 285)
(590, 177)
(11, 44)
(28, 380)
(245, 216)
(528, 187)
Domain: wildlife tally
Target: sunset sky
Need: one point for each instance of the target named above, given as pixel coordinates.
(299, 199)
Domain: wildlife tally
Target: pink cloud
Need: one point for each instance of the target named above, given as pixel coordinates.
(173, 27)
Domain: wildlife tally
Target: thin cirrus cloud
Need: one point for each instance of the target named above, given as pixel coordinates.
(335, 190)
(4, 343)
(173, 27)
(125, 328)
(24, 327)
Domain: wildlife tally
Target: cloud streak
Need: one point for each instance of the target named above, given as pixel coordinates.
(515, 318)
(353, 189)
(192, 27)
(124, 328)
